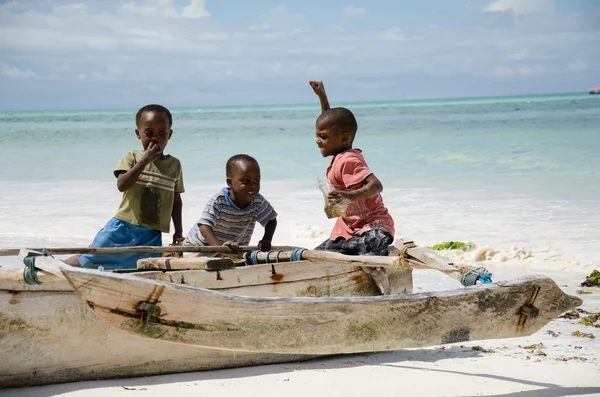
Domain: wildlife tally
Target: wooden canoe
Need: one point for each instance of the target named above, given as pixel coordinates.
(179, 325)
(211, 319)
(48, 335)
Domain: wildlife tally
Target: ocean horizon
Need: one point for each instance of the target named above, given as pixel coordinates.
(398, 102)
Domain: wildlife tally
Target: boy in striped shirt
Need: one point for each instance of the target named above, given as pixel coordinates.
(230, 215)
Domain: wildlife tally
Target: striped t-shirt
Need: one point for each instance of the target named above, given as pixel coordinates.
(230, 223)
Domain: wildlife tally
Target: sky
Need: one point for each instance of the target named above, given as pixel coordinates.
(68, 54)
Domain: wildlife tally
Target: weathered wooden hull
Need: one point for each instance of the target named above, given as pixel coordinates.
(200, 317)
(47, 335)
(51, 337)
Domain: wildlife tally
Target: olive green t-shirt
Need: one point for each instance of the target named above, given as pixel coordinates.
(149, 202)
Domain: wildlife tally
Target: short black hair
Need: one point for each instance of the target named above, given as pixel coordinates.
(154, 108)
(238, 158)
(340, 120)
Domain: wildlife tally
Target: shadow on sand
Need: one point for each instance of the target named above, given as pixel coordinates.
(389, 359)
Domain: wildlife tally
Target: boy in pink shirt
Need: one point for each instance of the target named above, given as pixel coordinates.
(366, 228)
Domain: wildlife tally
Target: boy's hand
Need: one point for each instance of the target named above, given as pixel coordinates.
(264, 245)
(339, 196)
(178, 238)
(151, 153)
(233, 246)
(318, 87)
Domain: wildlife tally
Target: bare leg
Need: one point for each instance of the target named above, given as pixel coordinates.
(73, 261)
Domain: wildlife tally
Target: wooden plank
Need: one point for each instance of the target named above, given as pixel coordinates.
(430, 260)
(192, 263)
(268, 274)
(12, 280)
(212, 319)
(355, 283)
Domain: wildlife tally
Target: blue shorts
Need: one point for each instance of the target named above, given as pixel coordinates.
(117, 233)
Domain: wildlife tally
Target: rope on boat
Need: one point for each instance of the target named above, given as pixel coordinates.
(296, 254)
(30, 272)
(471, 274)
(251, 257)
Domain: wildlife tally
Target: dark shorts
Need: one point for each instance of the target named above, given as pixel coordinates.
(372, 242)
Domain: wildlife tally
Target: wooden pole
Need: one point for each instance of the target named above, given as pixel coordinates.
(125, 250)
(350, 260)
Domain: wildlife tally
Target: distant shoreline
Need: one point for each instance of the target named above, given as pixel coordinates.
(311, 106)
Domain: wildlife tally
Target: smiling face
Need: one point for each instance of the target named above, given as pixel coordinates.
(329, 141)
(244, 181)
(154, 127)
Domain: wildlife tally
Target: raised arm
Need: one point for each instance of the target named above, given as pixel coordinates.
(319, 89)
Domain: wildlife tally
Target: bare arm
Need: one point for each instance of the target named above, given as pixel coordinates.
(125, 180)
(319, 89)
(209, 235)
(176, 215)
(370, 187)
(265, 243)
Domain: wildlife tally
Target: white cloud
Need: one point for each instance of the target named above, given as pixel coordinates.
(196, 9)
(275, 67)
(14, 72)
(503, 71)
(75, 8)
(120, 50)
(519, 55)
(262, 26)
(521, 6)
(166, 9)
(531, 70)
(394, 34)
(577, 65)
(354, 12)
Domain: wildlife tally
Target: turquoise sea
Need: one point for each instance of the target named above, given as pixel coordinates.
(507, 172)
(533, 145)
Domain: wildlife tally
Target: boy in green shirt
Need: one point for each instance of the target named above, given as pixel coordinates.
(152, 183)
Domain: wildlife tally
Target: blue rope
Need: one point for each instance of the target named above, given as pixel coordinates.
(474, 274)
(485, 276)
(30, 272)
(296, 254)
(251, 257)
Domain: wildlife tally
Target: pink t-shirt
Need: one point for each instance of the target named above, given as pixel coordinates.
(346, 171)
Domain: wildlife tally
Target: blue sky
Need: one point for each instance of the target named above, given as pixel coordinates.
(60, 54)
